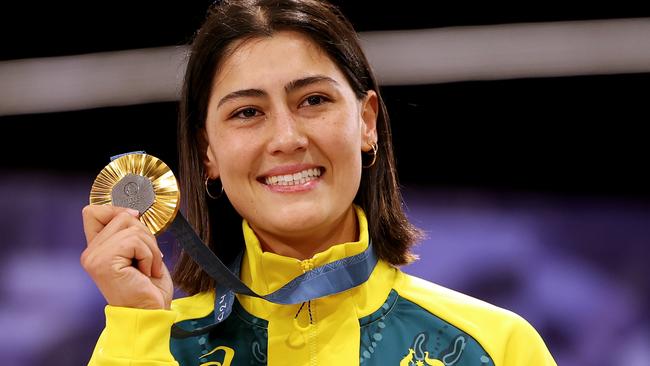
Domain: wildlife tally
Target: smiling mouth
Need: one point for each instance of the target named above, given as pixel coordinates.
(297, 178)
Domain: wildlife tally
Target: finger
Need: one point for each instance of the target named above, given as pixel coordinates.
(144, 257)
(151, 242)
(138, 235)
(127, 248)
(117, 252)
(96, 217)
(122, 220)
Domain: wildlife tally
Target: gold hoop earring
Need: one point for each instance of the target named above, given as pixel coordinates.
(374, 155)
(207, 190)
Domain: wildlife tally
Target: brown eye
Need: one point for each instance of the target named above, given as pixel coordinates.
(313, 100)
(247, 113)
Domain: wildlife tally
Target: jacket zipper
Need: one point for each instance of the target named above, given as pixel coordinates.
(308, 265)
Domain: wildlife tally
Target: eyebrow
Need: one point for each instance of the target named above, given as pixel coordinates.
(301, 83)
(241, 94)
(291, 86)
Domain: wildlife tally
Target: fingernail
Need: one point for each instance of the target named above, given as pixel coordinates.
(133, 212)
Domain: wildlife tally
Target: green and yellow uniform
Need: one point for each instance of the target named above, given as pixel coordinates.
(391, 319)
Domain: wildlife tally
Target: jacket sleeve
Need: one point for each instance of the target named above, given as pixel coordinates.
(134, 337)
(526, 347)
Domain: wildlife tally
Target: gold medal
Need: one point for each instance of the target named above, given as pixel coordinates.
(141, 182)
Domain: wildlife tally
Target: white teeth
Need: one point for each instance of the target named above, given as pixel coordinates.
(293, 179)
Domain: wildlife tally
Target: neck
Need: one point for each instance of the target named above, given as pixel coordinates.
(306, 245)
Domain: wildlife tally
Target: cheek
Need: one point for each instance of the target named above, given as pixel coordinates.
(229, 155)
(238, 154)
(345, 136)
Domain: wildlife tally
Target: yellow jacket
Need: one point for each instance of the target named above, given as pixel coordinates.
(391, 319)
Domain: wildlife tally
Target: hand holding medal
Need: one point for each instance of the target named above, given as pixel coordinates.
(132, 199)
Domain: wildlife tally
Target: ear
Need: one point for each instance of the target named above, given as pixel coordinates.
(210, 165)
(369, 113)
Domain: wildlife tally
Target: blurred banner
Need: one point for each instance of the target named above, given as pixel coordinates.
(404, 57)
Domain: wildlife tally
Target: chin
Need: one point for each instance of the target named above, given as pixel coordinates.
(294, 220)
(301, 216)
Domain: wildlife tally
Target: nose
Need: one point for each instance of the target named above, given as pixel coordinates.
(287, 135)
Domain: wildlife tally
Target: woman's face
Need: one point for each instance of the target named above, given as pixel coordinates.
(285, 133)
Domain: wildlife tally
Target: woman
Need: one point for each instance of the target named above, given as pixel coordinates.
(280, 106)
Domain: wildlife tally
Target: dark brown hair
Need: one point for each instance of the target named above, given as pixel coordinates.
(216, 221)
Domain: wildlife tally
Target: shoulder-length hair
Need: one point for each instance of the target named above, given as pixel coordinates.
(216, 221)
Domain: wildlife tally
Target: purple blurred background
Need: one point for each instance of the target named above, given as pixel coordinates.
(576, 268)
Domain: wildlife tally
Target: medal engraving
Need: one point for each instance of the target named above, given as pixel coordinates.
(141, 182)
(134, 191)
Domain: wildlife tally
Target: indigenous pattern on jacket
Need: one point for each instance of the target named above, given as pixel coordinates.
(398, 333)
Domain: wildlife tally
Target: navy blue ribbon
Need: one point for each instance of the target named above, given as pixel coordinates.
(321, 281)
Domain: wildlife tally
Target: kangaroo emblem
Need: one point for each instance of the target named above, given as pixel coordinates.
(417, 356)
